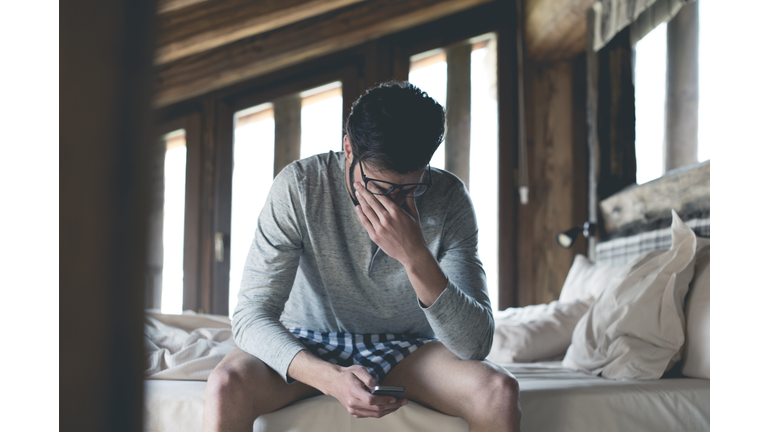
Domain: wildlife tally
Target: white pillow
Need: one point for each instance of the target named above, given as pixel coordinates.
(587, 280)
(635, 330)
(696, 350)
(535, 333)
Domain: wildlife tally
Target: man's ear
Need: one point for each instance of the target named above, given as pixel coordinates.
(347, 148)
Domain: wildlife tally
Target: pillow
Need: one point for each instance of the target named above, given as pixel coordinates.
(587, 280)
(695, 363)
(635, 329)
(535, 333)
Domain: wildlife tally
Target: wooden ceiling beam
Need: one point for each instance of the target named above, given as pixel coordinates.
(555, 29)
(195, 26)
(164, 6)
(321, 35)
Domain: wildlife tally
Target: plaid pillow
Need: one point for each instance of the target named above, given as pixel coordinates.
(622, 250)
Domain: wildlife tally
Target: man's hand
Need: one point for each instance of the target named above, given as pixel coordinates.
(352, 389)
(398, 234)
(349, 385)
(396, 231)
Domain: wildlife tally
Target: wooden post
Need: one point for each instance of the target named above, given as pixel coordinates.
(106, 83)
(506, 70)
(458, 101)
(593, 143)
(682, 106)
(287, 131)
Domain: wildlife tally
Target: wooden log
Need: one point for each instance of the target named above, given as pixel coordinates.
(685, 190)
(458, 116)
(257, 55)
(287, 131)
(555, 29)
(682, 105)
(209, 24)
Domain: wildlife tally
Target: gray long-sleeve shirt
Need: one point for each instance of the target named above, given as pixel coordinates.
(312, 265)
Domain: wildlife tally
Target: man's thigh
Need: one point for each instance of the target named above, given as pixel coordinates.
(244, 379)
(436, 377)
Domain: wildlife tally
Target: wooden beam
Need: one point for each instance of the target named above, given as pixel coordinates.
(287, 131)
(164, 6)
(312, 38)
(555, 29)
(681, 133)
(458, 116)
(209, 24)
(685, 190)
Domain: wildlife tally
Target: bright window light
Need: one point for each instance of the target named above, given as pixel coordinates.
(321, 120)
(650, 95)
(483, 168)
(175, 178)
(254, 155)
(429, 72)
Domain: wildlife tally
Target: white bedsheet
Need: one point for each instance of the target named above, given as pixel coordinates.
(553, 399)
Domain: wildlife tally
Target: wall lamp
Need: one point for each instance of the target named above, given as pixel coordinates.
(566, 238)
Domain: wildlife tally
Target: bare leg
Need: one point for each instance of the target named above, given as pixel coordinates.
(241, 388)
(480, 392)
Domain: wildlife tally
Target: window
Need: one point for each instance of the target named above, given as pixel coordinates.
(252, 174)
(429, 72)
(321, 120)
(650, 93)
(174, 179)
(254, 158)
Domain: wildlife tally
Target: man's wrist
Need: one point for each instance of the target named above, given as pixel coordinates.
(312, 371)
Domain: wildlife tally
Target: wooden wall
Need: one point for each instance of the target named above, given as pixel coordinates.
(557, 172)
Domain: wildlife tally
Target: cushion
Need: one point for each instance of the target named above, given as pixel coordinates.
(635, 329)
(587, 280)
(535, 333)
(695, 363)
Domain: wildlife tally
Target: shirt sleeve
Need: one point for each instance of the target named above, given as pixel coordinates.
(461, 317)
(268, 276)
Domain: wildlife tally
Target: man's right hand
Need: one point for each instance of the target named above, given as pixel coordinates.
(349, 385)
(353, 388)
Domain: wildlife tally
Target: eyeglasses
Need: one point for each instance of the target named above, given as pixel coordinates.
(381, 187)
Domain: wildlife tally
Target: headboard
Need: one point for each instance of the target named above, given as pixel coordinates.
(637, 219)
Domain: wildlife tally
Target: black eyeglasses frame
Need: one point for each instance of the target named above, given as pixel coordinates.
(394, 186)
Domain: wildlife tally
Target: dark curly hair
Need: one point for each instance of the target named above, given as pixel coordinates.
(395, 127)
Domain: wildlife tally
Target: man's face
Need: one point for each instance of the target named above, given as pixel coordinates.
(354, 174)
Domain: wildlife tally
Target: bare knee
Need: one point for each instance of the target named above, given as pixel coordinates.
(228, 386)
(496, 402)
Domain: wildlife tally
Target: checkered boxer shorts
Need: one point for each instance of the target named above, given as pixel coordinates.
(378, 353)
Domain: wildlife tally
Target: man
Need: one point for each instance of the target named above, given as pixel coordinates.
(364, 271)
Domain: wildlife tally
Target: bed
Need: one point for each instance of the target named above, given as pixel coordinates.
(657, 379)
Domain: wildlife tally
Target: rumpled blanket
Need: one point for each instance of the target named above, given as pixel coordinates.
(186, 346)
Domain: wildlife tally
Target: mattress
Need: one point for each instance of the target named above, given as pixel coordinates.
(552, 398)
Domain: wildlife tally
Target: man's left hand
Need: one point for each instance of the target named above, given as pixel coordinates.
(396, 231)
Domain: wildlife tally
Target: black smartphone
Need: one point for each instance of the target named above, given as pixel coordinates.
(395, 391)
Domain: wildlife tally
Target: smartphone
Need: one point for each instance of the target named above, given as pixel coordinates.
(395, 391)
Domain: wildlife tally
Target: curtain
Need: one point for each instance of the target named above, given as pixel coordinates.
(642, 16)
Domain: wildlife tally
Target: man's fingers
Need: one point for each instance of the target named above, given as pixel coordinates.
(364, 220)
(365, 377)
(378, 205)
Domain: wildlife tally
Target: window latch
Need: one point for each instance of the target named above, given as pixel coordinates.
(218, 246)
